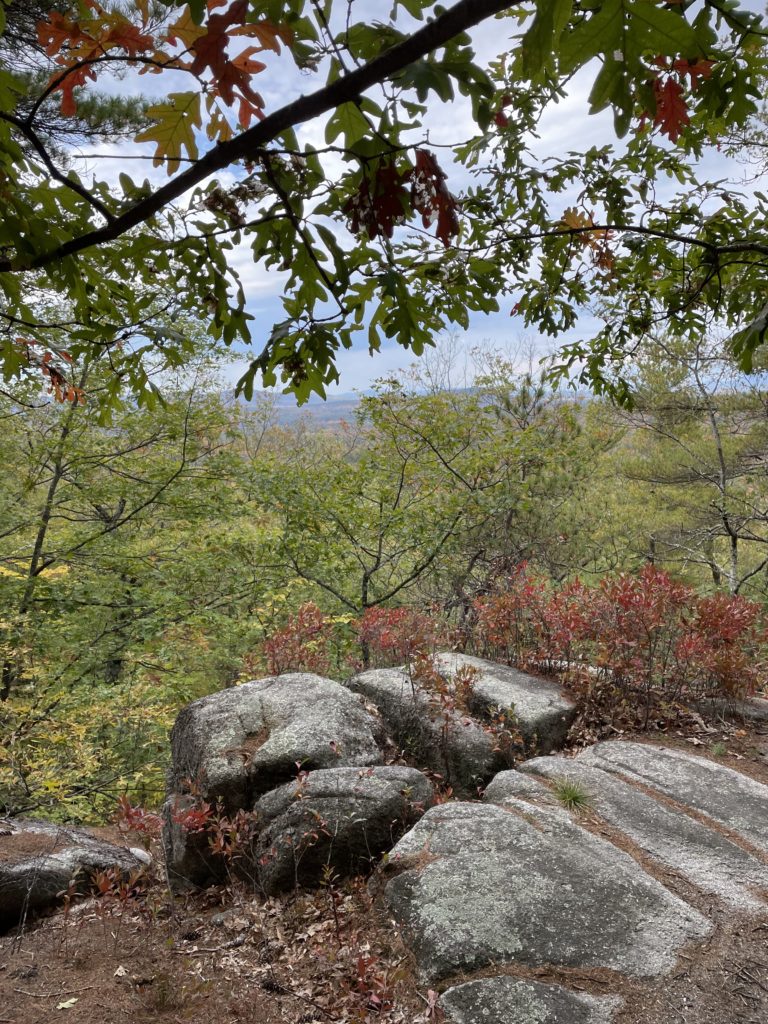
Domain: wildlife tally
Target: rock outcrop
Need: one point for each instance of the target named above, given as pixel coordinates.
(544, 891)
(511, 1001)
(439, 738)
(727, 797)
(242, 750)
(705, 856)
(239, 743)
(338, 819)
(565, 893)
(544, 715)
(39, 861)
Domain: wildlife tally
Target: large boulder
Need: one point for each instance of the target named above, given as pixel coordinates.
(435, 737)
(234, 746)
(703, 855)
(477, 884)
(734, 801)
(40, 861)
(237, 744)
(544, 715)
(337, 819)
(513, 1001)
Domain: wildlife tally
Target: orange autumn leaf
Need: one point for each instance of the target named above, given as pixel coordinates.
(269, 35)
(694, 69)
(73, 80)
(576, 220)
(245, 62)
(129, 38)
(210, 49)
(671, 114)
(59, 31)
(597, 240)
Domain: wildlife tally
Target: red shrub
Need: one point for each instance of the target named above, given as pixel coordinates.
(644, 632)
(302, 644)
(509, 624)
(396, 636)
(725, 644)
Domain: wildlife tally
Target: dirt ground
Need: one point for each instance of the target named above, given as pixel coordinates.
(225, 955)
(221, 956)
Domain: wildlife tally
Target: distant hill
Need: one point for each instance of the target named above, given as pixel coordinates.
(327, 413)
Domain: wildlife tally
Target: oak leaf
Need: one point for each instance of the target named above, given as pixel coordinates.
(174, 129)
(671, 114)
(185, 29)
(67, 85)
(210, 49)
(57, 31)
(577, 220)
(128, 37)
(380, 203)
(694, 69)
(268, 34)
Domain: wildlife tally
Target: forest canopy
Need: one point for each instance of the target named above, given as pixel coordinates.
(371, 225)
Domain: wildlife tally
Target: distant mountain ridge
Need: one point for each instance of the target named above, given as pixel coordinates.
(326, 413)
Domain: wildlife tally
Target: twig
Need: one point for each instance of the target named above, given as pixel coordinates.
(232, 944)
(53, 995)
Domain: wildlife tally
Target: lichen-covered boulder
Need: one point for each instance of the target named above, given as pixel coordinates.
(242, 742)
(708, 859)
(435, 737)
(505, 1000)
(39, 861)
(729, 798)
(544, 715)
(476, 885)
(230, 748)
(338, 819)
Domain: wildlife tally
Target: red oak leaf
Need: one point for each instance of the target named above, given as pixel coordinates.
(232, 77)
(73, 79)
(247, 111)
(695, 69)
(246, 63)
(129, 38)
(671, 109)
(58, 31)
(210, 50)
(269, 35)
(380, 204)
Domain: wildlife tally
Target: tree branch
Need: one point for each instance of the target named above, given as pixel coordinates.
(453, 22)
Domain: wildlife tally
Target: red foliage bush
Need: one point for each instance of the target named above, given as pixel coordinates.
(644, 632)
(509, 624)
(397, 636)
(302, 645)
(130, 818)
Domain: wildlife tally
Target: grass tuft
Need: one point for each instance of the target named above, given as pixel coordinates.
(571, 795)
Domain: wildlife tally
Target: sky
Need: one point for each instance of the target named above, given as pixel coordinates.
(566, 126)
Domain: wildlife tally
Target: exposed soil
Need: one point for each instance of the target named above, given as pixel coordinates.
(219, 956)
(723, 980)
(745, 746)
